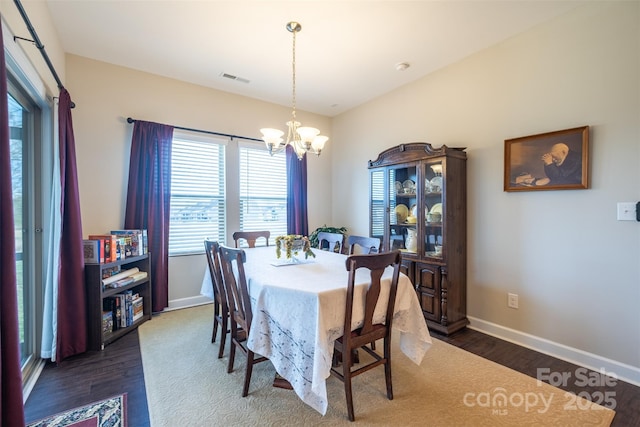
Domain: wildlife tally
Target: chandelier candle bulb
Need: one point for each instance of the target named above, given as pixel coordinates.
(318, 143)
(272, 134)
(307, 135)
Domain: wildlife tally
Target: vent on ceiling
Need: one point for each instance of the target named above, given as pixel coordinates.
(232, 77)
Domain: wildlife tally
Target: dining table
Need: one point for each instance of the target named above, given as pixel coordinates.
(299, 310)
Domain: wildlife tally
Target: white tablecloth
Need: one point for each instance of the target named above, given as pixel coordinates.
(298, 312)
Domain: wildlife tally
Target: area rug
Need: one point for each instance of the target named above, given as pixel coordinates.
(111, 412)
(187, 385)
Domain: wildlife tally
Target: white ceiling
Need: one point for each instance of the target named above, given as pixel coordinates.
(346, 53)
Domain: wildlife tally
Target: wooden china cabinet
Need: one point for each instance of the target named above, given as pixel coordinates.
(418, 199)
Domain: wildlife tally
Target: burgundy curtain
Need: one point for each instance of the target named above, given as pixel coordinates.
(148, 198)
(72, 309)
(297, 220)
(11, 409)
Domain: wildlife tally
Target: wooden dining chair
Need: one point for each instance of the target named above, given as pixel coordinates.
(239, 309)
(220, 304)
(251, 237)
(333, 240)
(346, 346)
(363, 245)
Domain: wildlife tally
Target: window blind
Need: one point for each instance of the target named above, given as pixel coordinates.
(378, 216)
(197, 194)
(263, 191)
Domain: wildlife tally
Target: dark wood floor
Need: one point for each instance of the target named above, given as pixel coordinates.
(93, 376)
(118, 369)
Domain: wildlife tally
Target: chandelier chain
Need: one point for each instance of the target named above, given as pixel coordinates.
(293, 66)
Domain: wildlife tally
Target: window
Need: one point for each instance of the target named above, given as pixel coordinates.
(219, 187)
(198, 206)
(263, 191)
(24, 115)
(378, 211)
(19, 184)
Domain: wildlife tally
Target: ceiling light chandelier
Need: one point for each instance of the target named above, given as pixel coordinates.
(303, 139)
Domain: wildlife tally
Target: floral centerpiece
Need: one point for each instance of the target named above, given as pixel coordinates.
(292, 245)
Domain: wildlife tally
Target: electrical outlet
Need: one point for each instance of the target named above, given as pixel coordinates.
(512, 300)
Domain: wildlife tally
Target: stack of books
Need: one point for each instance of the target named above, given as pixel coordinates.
(119, 244)
(121, 311)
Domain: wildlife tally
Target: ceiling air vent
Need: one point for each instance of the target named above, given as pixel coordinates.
(232, 77)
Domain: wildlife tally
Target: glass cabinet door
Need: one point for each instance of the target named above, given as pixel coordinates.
(403, 208)
(433, 208)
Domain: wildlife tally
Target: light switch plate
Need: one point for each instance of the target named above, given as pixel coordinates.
(626, 211)
(512, 300)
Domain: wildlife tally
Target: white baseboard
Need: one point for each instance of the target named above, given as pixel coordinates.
(622, 371)
(188, 302)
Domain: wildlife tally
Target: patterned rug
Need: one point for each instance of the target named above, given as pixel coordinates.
(111, 412)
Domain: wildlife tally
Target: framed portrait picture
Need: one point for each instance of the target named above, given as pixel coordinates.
(548, 161)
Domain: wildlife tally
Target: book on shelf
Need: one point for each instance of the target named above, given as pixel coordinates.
(136, 243)
(145, 245)
(121, 252)
(119, 317)
(109, 245)
(92, 252)
(128, 296)
(123, 309)
(121, 282)
(107, 322)
(112, 305)
(110, 271)
(126, 308)
(105, 249)
(138, 307)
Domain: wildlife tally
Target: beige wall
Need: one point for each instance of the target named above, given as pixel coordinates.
(575, 267)
(105, 95)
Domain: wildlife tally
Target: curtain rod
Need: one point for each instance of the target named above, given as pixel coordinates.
(130, 120)
(39, 45)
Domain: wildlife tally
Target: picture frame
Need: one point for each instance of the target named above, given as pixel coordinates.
(556, 160)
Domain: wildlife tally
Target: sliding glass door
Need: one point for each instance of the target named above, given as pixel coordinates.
(23, 116)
